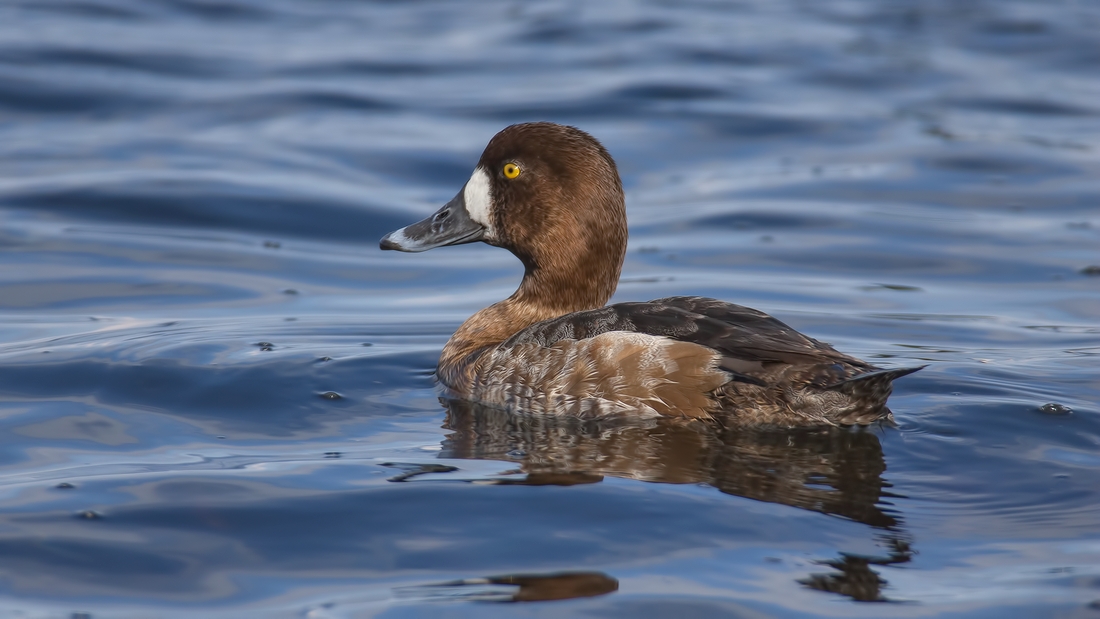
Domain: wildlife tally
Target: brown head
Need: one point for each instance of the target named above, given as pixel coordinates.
(551, 195)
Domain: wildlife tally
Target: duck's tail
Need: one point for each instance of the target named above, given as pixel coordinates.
(868, 393)
(864, 384)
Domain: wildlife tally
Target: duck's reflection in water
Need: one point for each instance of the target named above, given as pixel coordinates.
(519, 588)
(831, 471)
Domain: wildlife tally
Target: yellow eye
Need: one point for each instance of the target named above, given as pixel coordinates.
(511, 170)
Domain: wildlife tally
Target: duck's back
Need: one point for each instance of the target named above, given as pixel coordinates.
(681, 356)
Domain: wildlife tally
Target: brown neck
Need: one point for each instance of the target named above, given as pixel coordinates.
(569, 276)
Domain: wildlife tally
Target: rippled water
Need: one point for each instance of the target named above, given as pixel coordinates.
(216, 394)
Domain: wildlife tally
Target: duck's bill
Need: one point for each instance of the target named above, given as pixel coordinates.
(450, 225)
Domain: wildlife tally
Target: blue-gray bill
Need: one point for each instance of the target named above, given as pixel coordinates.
(450, 225)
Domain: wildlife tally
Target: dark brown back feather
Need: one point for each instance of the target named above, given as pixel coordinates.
(747, 339)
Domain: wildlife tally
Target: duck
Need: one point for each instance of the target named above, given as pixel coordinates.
(551, 195)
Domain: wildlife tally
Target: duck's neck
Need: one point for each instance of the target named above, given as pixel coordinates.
(574, 282)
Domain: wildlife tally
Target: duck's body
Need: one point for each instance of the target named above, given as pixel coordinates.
(551, 194)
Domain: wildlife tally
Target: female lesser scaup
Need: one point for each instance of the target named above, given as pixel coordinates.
(551, 195)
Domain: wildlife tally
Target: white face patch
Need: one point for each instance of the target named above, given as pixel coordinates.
(479, 202)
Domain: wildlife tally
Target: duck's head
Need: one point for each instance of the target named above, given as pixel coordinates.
(551, 195)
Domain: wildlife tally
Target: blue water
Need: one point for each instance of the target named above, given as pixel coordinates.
(216, 393)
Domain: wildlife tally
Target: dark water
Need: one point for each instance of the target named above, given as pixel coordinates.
(216, 395)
